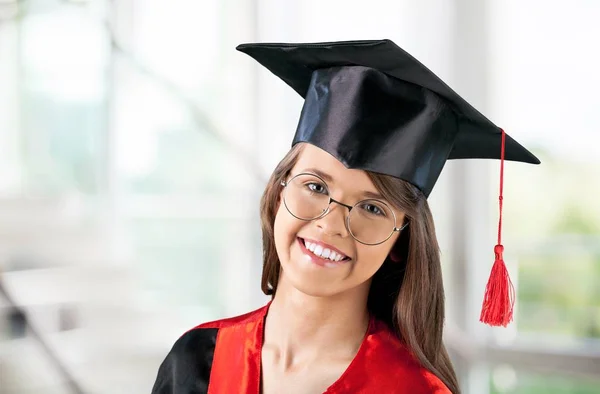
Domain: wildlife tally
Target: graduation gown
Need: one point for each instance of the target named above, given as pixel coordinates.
(223, 357)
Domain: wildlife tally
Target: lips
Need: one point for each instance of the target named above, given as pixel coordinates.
(322, 253)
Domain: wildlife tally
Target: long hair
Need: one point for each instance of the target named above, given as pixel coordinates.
(406, 293)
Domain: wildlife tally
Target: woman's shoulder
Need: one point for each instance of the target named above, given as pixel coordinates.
(187, 366)
(395, 359)
(204, 335)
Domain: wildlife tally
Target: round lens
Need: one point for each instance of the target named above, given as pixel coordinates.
(371, 222)
(306, 197)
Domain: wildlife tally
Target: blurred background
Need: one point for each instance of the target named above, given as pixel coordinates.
(135, 143)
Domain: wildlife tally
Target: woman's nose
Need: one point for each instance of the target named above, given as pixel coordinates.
(334, 221)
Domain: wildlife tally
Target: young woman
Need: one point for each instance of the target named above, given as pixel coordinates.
(350, 252)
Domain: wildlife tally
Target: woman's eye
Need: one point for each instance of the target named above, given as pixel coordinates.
(373, 209)
(317, 188)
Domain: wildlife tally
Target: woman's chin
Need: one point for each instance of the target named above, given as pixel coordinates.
(307, 281)
(312, 289)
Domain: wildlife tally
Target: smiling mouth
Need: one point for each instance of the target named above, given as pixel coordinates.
(324, 252)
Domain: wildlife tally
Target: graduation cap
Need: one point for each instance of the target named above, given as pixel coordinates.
(374, 107)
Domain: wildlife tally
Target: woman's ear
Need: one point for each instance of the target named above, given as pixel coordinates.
(280, 189)
(279, 199)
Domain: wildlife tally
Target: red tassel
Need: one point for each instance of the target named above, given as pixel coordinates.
(499, 299)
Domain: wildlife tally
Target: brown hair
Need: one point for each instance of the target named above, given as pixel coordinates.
(406, 293)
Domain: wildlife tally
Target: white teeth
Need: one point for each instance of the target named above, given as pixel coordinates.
(323, 252)
(318, 250)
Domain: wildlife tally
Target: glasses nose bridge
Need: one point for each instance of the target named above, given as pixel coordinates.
(326, 214)
(331, 199)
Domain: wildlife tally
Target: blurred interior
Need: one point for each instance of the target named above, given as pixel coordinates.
(135, 143)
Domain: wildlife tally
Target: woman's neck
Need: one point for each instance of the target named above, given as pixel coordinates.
(301, 329)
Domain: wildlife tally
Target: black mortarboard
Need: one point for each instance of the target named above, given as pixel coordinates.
(375, 107)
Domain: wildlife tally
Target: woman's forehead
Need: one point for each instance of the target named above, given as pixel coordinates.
(314, 158)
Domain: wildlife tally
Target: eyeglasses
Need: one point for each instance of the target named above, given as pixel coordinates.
(370, 222)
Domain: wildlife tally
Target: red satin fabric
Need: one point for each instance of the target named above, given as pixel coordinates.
(382, 364)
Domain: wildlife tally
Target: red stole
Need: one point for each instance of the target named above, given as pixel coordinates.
(382, 364)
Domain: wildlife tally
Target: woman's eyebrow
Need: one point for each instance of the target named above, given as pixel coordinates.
(326, 177)
(373, 195)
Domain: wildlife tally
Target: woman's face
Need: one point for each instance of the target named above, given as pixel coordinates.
(316, 275)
